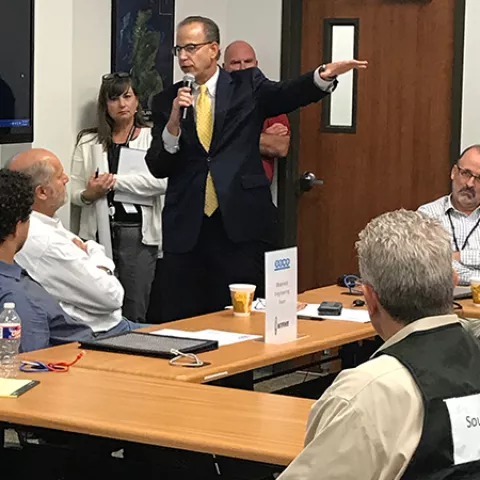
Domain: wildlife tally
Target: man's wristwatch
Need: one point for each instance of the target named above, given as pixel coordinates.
(84, 200)
(105, 269)
(321, 69)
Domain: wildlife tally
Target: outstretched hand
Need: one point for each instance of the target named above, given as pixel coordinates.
(334, 69)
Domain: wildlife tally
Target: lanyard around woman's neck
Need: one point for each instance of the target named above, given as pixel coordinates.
(130, 135)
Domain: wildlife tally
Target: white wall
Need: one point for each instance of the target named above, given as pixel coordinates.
(72, 51)
(258, 22)
(91, 57)
(471, 76)
(52, 108)
(7, 152)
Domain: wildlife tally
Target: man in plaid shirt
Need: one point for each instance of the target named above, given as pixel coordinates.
(459, 213)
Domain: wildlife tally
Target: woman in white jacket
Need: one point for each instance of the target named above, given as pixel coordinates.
(136, 229)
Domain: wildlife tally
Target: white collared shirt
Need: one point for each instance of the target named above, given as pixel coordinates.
(211, 85)
(171, 142)
(443, 211)
(72, 276)
(368, 424)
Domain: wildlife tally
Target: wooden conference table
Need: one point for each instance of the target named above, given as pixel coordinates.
(469, 310)
(98, 395)
(234, 423)
(314, 336)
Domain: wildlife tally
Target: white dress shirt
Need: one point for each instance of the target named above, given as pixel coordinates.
(171, 142)
(368, 424)
(443, 211)
(86, 292)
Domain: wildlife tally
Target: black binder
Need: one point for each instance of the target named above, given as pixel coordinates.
(139, 343)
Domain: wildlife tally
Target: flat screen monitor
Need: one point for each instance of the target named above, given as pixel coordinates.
(16, 71)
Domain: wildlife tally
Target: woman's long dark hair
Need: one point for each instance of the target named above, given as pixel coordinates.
(111, 89)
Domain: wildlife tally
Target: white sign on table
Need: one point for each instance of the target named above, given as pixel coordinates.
(281, 295)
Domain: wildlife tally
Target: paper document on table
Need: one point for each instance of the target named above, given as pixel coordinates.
(223, 338)
(350, 314)
(132, 162)
(226, 338)
(260, 304)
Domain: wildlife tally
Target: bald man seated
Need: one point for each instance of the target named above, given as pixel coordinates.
(78, 275)
(275, 137)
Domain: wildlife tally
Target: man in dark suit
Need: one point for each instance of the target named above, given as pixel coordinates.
(219, 218)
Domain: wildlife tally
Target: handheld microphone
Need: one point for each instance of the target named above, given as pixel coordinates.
(188, 80)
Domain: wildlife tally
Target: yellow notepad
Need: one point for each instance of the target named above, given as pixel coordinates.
(14, 387)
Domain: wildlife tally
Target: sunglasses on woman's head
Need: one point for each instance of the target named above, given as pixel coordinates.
(112, 76)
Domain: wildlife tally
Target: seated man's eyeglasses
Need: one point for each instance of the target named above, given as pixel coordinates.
(467, 174)
(190, 48)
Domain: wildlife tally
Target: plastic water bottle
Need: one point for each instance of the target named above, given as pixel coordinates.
(10, 334)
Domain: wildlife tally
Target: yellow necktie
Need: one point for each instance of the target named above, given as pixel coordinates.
(204, 113)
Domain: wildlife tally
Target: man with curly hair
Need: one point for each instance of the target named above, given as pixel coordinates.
(44, 322)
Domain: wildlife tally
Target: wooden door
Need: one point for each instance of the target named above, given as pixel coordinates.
(399, 155)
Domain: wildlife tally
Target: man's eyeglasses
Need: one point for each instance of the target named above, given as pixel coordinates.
(114, 75)
(190, 48)
(467, 174)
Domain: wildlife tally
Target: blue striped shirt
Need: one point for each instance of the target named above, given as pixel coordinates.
(44, 322)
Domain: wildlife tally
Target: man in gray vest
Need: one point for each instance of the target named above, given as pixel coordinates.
(413, 410)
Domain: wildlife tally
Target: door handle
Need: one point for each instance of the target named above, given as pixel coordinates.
(307, 181)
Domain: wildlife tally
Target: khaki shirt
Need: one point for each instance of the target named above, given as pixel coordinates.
(368, 424)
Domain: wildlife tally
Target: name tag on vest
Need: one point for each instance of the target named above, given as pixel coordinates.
(464, 415)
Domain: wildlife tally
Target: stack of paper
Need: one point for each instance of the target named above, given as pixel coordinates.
(223, 338)
(311, 311)
(132, 162)
(349, 314)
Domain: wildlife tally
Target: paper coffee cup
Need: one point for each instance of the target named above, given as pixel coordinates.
(475, 285)
(242, 298)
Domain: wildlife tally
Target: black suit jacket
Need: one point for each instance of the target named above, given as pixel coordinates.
(243, 100)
